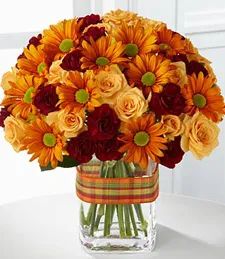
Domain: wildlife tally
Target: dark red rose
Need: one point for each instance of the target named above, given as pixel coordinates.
(173, 155)
(94, 32)
(88, 20)
(108, 150)
(196, 67)
(169, 101)
(46, 99)
(72, 61)
(3, 115)
(35, 40)
(192, 66)
(103, 123)
(81, 148)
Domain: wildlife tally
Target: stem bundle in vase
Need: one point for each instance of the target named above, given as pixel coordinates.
(129, 217)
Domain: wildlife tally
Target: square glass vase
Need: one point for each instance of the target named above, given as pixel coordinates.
(118, 227)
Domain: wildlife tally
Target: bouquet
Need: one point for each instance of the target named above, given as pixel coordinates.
(122, 89)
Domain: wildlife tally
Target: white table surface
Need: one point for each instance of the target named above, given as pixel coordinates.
(46, 227)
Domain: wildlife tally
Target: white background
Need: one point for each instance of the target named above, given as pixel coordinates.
(203, 21)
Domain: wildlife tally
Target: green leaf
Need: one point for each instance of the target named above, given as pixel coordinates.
(67, 162)
(46, 168)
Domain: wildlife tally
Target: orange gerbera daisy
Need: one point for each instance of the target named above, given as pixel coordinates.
(44, 142)
(104, 51)
(150, 72)
(61, 38)
(33, 61)
(202, 95)
(79, 92)
(18, 99)
(142, 139)
(170, 42)
(136, 38)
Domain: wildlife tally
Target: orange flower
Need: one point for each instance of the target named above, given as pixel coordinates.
(61, 38)
(150, 72)
(79, 92)
(170, 43)
(201, 95)
(142, 139)
(136, 38)
(44, 142)
(104, 51)
(18, 99)
(34, 61)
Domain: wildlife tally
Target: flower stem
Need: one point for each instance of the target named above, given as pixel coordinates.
(92, 229)
(82, 216)
(119, 208)
(127, 220)
(100, 213)
(144, 223)
(133, 220)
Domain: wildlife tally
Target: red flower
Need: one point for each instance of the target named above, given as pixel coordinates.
(72, 61)
(3, 115)
(103, 123)
(81, 148)
(192, 66)
(35, 40)
(88, 20)
(94, 32)
(173, 155)
(108, 150)
(169, 101)
(46, 99)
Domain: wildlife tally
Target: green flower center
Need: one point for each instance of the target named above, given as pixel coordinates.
(199, 100)
(102, 61)
(28, 95)
(148, 79)
(164, 47)
(131, 50)
(49, 139)
(81, 96)
(66, 45)
(141, 138)
(41, 67)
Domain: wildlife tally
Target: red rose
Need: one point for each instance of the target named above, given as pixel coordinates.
(88, 20)
(3, 115)
(94, 32)
(108, 150)
(72, 61)
(169, 101)
(103, 123)
(46, 99)
(173, 155)
(81, 148)
(35, 40)
(192, 66)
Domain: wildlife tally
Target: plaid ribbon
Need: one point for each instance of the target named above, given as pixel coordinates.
(130, 190)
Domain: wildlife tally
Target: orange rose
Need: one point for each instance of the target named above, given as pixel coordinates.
(71, 122)
(174, 126)
(110, 82)
(57, 74)
(9, 76)
(14, 131)
(200, 135)
(130, 104)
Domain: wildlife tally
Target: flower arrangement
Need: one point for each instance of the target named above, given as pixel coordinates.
(120, 87)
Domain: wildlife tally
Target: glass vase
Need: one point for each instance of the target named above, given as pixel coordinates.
(118, 225)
